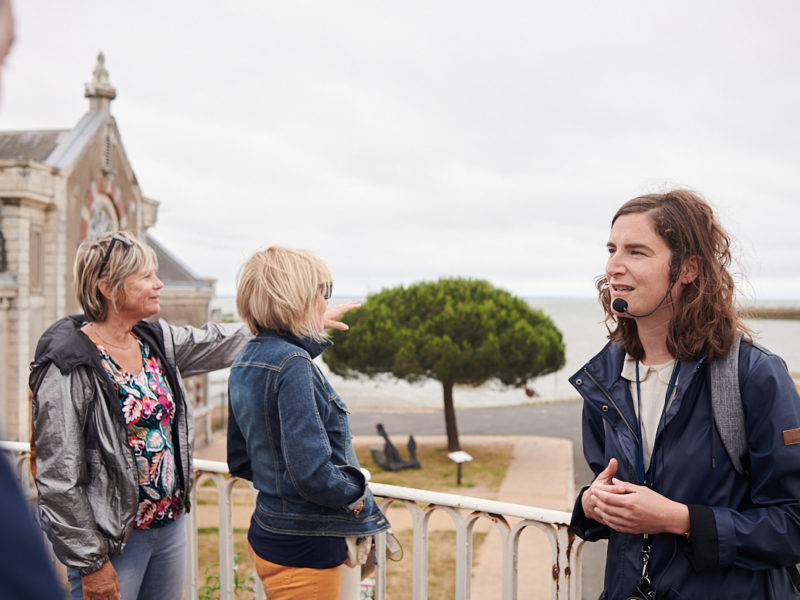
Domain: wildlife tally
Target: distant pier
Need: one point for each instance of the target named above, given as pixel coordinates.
(755, 312)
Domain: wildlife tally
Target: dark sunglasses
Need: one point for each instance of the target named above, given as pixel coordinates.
(326, 289)
(116, 238)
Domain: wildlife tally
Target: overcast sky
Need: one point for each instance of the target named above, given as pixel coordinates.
(403, 141)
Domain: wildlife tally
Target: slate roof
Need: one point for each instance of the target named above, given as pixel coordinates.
(170, 270)
(56, 148)
(29, 145)
(72, 144)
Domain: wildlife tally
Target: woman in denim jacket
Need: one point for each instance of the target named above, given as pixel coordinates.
(289, 432)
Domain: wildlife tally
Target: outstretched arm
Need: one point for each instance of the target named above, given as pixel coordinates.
(334, 314)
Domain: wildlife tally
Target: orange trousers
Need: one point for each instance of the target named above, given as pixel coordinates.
(297, 583)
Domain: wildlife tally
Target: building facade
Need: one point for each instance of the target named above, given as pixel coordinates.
(58, 188)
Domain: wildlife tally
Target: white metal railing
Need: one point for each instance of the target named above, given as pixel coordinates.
(510, 520)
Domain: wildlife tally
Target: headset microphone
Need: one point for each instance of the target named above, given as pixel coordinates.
(621, 306)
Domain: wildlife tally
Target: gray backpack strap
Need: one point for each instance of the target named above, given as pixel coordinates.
(726, 403)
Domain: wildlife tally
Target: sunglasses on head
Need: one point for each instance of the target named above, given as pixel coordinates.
(326, 289)
(117, 237)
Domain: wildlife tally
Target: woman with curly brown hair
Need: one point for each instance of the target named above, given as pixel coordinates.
(681, 520)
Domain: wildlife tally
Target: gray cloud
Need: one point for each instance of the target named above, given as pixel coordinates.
(407, 141)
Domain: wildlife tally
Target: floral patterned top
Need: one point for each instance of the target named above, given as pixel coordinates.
(148, 407)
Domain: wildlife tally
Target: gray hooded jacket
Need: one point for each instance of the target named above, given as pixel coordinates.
(86, 472)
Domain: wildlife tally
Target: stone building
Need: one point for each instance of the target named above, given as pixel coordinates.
(58, 188)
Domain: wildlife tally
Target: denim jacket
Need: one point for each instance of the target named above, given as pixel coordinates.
(289, 433)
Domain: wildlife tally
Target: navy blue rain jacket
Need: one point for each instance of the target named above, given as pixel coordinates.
(744, 530)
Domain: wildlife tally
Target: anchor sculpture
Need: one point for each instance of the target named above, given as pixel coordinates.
(388, 458)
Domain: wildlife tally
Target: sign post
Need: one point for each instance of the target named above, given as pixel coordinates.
(459, 457)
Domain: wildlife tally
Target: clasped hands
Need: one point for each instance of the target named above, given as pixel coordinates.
(630, 508)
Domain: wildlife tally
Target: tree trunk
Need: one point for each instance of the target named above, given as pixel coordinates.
(450, 418)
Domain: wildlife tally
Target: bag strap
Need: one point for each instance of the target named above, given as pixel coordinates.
(726, 404)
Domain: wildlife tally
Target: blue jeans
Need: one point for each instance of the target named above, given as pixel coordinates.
(152, 567)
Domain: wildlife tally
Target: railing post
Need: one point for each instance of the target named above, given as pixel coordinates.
(380, 575)
(191, 586)
(351, 583)
(225, 500)
(208, 429)
(510, 560)
(569, 560)
(419, 579)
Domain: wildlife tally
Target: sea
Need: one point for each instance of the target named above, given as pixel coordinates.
(580, 321)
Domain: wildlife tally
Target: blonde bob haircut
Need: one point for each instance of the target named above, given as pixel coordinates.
(277, 290)
(123, 261)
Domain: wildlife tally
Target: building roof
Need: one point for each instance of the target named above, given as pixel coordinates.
(72, 144)
(171, 272)
(58, 148)
(29, 145)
